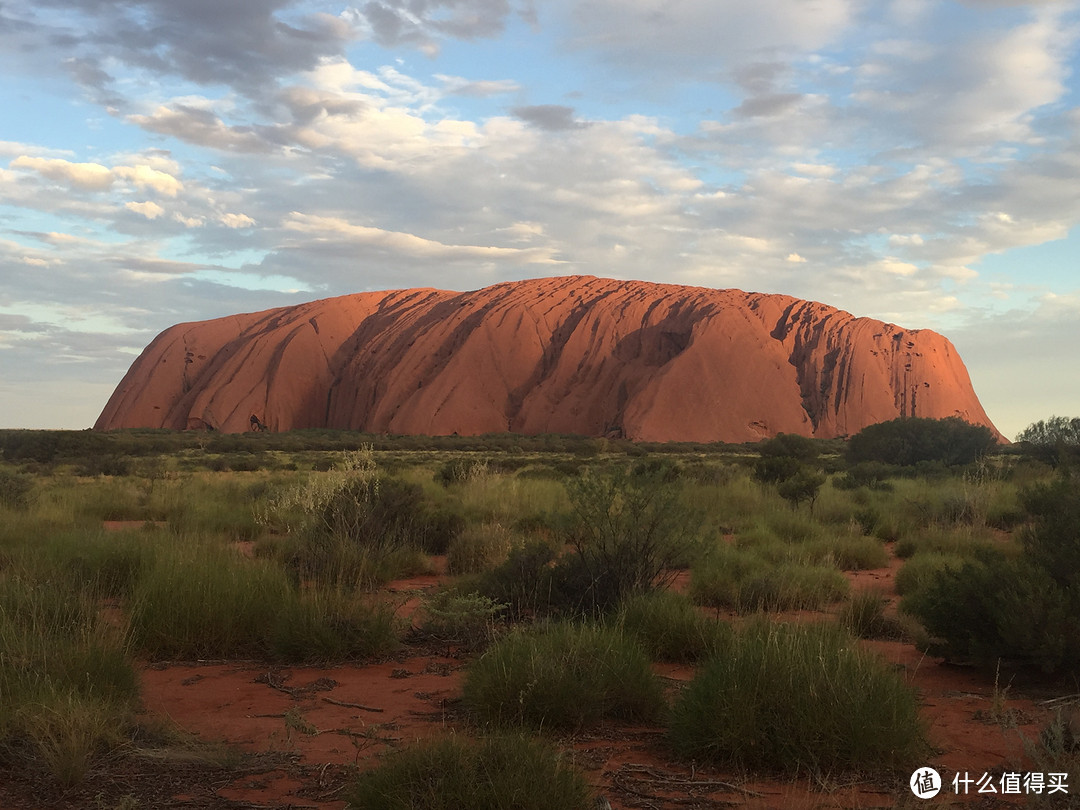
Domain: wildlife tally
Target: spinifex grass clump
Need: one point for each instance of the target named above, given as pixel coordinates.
(494, 773)
(564, 675)
(67, 688)
(479, 548)
(794, 698)
(200, 600)
(670, 628)
(743, 581)
(864, 616)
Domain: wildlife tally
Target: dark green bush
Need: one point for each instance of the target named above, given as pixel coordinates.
(774, 469)
(869, 474)
(452, 773)
(910, 441)
(16, 491)
(1053, 539)
(563, 676)
(1024, 608)
(523, 582)
(798, 698)
(790, 445)
(111, 465)
(998, 607)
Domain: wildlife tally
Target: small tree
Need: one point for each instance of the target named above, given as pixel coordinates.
(628, 531)
(804, 485)
(1055, 440)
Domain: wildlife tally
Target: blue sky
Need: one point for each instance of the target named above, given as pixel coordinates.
(166, 161)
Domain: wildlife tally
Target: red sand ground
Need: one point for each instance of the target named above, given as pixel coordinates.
(308, 728)
(349, 715)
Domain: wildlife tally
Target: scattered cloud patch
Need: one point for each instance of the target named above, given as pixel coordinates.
(150, 209)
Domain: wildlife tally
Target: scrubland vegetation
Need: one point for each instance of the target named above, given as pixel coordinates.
(561, 555)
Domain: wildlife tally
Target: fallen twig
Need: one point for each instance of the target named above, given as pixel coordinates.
(352, 705)
(673, 780)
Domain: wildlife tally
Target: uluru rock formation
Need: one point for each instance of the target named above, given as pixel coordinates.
(580, 355)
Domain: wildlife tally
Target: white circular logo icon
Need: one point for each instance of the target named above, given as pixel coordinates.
(925, 783)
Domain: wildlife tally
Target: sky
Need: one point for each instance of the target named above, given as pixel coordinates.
(164, 161)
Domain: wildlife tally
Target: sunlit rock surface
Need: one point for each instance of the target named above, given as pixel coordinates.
(581, 355)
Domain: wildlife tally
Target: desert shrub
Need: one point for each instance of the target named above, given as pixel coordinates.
(793, 527)
(563, 676)
(1052, 542)
(1023, 607)
(110, 465)
(922, 568)
(910, 441)
(790, 445)
(52, 638)
(863, 615)
(203, 602)
(848, 553)
(744, 582)
(493, 773)
(459, 617)
(375, 511)
(523, 582)
(16, 491)
(460, 471)
(797, 698)
(627, 533)
(996, 607)
(669, 627)
(355, 528)
(869, 474)
(1056, 440)
(478, 548)
(665, 470)
(775, 469)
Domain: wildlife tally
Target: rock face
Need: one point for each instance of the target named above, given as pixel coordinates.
(582, 355)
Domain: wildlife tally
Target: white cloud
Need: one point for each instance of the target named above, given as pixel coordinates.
(96, 177)
(332, 228)
(144, 177)
(236, 221)
(84, 176)
(150, 209)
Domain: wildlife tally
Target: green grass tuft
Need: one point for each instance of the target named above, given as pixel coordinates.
(797, 698)
(494, 773)
(564, 675)
(670, 628)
